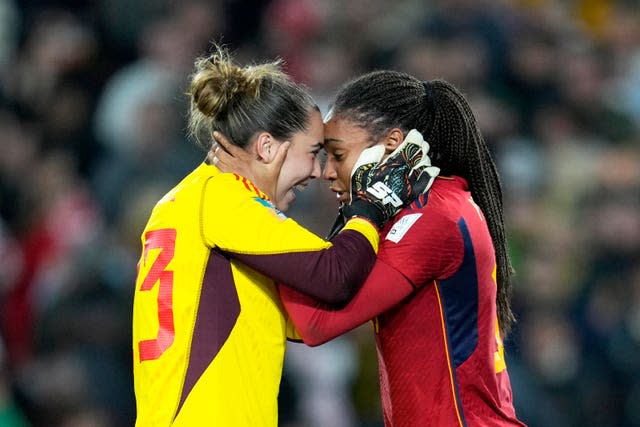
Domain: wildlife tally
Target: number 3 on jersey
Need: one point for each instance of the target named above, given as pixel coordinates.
(164, 240)
(499, 363)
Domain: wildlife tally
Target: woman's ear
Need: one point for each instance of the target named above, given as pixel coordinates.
(266, 147)
(392, 140)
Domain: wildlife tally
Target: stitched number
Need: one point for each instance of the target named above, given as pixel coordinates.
(165, 240)
(498, 357)
(499, 363)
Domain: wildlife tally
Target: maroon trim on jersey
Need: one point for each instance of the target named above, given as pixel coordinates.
(218, 310)
(331, 275)
(384, 288)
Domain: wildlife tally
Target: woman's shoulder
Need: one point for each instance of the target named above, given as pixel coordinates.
(442, 206)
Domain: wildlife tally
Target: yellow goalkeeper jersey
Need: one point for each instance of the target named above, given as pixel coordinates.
(209, 330)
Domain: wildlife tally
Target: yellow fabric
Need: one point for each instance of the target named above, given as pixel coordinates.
(210, 209)
(365, 228)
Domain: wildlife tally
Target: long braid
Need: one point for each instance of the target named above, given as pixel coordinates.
(381, 100)
(470, 151)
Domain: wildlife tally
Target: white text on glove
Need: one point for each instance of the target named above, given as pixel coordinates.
(384, 193)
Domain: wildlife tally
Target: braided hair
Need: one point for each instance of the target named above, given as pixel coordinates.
(382, 100)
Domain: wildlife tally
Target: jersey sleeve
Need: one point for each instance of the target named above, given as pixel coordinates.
(318, 323)
(236, 219)
(423, 247)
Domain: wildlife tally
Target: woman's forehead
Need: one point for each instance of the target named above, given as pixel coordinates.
(341, 132)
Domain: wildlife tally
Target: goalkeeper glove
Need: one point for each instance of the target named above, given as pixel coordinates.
(380, 189)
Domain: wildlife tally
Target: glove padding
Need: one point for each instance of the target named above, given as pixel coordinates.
(380, 189)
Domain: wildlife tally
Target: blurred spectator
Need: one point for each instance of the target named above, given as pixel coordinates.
(8, 33)
(92, 133)
(10, 412)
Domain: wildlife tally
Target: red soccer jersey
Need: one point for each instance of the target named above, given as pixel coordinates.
(433, 290)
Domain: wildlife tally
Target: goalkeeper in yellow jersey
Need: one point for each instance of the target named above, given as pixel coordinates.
(209, 329)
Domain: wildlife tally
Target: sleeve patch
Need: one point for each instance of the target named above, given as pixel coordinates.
(401, 227)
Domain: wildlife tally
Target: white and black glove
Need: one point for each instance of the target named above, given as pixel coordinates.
(380, 189)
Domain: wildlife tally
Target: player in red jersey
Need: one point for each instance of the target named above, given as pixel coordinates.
(439, 292)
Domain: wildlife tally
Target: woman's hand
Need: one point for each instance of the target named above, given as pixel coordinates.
(380, 188)
(228, 157)
(231, 158)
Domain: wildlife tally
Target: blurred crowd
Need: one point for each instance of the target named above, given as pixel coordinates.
(92, 133)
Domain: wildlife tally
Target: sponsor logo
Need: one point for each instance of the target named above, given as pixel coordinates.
(384, 193)
(401, 227)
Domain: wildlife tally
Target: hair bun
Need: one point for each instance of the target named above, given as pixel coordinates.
(219, 83)
(234, 100)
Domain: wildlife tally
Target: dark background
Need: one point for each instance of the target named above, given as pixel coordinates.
(92, 133)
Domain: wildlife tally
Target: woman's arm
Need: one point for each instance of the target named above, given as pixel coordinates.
(318, 323)
(429, 247)
(274, 245)
(237, 220)
(331, 273)
(284, 251)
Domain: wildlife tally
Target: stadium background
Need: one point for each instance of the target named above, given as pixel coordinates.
(92, 117)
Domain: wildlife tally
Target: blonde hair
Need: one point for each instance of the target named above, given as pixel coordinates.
(240, 101)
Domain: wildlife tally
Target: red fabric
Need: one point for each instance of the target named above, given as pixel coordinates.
(318, 323)
(437, 345)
